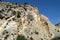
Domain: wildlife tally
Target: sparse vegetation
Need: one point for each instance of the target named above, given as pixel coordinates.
(56, 38)
(21, 37)
(13, 12)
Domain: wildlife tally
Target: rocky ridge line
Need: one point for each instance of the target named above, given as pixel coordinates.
(24, 20)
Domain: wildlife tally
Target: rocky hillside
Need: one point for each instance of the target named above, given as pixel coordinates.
(24, 22)
(58, 25)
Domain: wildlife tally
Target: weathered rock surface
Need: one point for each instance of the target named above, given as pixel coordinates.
(24, 20)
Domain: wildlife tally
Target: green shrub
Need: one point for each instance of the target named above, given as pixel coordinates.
(21, 37)
(56, 38)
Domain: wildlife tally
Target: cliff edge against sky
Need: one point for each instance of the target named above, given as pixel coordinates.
(25, 20)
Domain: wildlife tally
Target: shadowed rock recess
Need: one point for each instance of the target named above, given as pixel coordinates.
(24, 22)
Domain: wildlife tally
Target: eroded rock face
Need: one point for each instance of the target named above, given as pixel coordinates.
(24, 20)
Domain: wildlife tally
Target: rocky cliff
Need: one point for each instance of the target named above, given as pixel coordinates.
(24, 22)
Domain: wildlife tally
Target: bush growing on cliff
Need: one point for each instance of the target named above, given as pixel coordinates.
(56, 38)
(21, 37)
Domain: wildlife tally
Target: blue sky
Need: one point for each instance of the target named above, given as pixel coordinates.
(50, 8)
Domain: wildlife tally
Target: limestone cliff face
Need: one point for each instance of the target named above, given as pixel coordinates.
(24, 20)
